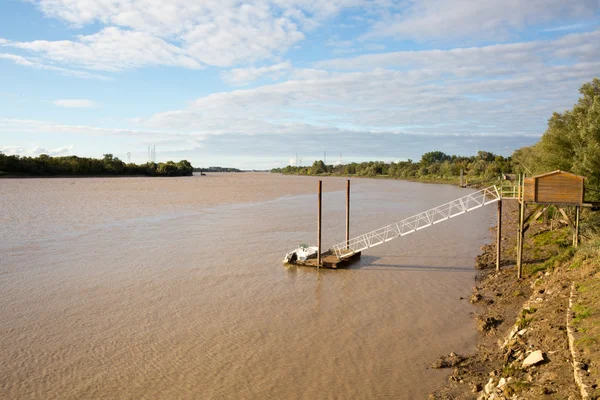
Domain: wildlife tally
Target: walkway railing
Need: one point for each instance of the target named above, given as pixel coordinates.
(422, 220)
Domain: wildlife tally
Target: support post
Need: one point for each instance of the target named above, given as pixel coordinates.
(499, 236)
(576, 233)
(521, 240)
(319, 226)
(347, 213)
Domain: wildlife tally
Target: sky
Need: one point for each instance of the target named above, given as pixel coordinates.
(262, 83)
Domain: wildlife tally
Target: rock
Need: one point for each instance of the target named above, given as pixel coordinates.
(522, 332)
(475, 387)
(486, 324)
(475, 297)
(489, 388)
(492, 373)
(448, 362)
(534, 358)
(501, 383)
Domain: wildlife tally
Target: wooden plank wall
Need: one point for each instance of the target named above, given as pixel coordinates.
(558, 188)
(529, 190)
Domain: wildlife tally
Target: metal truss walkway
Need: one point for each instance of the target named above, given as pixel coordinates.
(416, 222)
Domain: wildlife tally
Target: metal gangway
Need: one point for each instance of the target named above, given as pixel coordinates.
(419, 221)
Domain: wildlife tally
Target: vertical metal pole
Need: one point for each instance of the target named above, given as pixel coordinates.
(319, 226)
(347, 213)
(499, 236)
(576, 235)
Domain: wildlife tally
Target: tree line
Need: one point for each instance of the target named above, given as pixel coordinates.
(570, 143)
(45, 165)
(434, 165)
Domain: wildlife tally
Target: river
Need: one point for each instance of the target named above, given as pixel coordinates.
(164, 288)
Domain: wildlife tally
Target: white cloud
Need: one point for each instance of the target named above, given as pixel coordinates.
(571, 27)
(226, 33)
(27, 62)
(74, 103)
(502, 90)
(494, 60)
(12, 150)
(11, 125)
(111, 49)
(244, 76)
(59, 151)
(184, 33)
(476, 20)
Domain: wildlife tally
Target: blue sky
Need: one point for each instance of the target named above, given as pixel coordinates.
(250, 84)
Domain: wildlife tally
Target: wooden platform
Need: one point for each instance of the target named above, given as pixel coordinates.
(329, 260)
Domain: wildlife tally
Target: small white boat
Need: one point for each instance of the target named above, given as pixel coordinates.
(302, 253)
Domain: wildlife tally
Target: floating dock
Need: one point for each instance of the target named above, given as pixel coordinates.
(330, 260)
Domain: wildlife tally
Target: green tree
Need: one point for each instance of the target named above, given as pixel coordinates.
(318, 167)
(433, 157)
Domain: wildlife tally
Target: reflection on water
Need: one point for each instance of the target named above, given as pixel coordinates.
(193, 302)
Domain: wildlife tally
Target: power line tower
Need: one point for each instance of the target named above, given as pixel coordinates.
(152, 153)
(128, 158)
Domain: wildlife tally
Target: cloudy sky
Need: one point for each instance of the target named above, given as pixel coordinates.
(250, 84)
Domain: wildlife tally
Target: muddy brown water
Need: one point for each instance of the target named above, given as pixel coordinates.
(128, 288)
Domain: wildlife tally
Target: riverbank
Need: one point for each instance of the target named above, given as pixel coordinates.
(519, 320)
(473, 183)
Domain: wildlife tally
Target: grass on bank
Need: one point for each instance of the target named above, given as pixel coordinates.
(585, 268)
(548, 250)
(552, 251)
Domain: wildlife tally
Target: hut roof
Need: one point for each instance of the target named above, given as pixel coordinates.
(558, 171)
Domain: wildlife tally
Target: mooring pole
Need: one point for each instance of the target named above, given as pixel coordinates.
(576, 233)
(348, 213)
(319, 226)
(499, 236)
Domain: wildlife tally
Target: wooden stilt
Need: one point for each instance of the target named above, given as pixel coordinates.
(347, 213)
(319, 226)
(499, 236)
(576, 232)
(521, 238)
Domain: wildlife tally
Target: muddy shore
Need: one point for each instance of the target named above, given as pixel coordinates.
(519, 320)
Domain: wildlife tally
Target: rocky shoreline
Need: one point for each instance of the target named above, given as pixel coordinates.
(523, 350)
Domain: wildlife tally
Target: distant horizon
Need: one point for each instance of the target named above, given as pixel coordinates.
(250, 85)
(291, 162)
